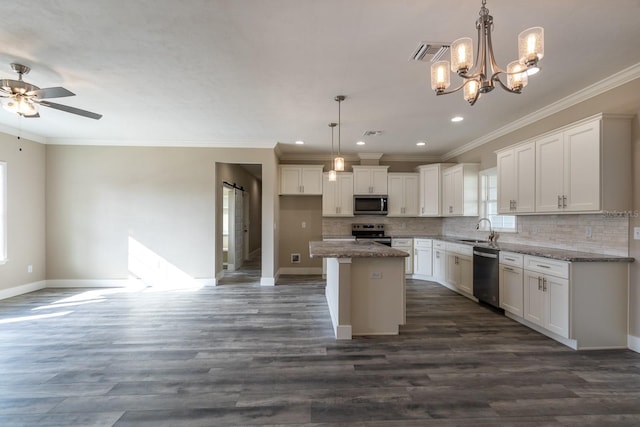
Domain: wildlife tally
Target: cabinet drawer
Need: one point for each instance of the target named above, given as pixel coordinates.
(422, 243)
(459, 249)
(547, 266)
(439, 244)
(401, 242)
(511, 258)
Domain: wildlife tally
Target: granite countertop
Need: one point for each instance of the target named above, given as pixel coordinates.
(352, 249)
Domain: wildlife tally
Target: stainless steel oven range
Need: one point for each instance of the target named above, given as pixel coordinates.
(370, 232)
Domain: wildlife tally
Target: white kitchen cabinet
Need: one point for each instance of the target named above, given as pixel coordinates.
(439, 261)
(459, 268)
(337, 196)
(370, 180)
(430, 189)
(585, 167)
(301, 179)
(460, 190)
(403, 194)
(422, 259)
(406, 245)
(511, 281)
(516, 178)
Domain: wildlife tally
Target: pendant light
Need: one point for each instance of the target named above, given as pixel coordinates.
(338, 162)
(332, 173)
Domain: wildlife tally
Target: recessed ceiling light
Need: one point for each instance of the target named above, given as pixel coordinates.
(299, 142)
(421, 143)
(457, 119)
(360, 143)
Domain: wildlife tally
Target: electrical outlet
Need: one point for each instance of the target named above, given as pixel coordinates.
(587, 232)
(519, 228)
(534, 229)
(295, 258)
(636, 233)
(304, 224)
(376, 275)
(29, 268)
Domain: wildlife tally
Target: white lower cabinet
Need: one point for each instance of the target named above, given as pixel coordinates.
(511, 279)
(405, 245)
(439, 261)
(546, 302)
(422, 258)
(459, 267)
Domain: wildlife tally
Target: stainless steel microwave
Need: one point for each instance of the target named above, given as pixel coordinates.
(370, 205)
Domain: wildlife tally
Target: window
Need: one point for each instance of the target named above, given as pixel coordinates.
(488, 203)
(3, 212)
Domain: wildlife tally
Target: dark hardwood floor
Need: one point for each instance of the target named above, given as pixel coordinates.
(241, 354)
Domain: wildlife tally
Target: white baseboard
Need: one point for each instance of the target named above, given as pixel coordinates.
(267, 281)
(22, 289)
(93, 283)
(300, 270)
(633, 343)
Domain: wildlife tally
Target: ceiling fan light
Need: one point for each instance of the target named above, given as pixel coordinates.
(531, 46)
(462, 55)
(22, 106)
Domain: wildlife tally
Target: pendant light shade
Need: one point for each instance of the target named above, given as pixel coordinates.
(332, 173)
(338, 162)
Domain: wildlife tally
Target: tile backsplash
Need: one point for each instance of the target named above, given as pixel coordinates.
(609, 235)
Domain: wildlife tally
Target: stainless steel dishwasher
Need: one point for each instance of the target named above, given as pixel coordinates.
(486, 285)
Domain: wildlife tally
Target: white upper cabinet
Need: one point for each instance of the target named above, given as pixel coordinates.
(460, 190)
(403, 194)
(430, 189)
(301, 179)
(585, 167)
(337, 196)
(516, 179)
(370, 180)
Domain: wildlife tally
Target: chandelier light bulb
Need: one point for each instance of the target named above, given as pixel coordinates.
(471, 91)
(440, 77)
(517, 77)
(462, 55)
(531, 46)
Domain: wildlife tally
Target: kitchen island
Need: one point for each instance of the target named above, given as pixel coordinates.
(365, 287)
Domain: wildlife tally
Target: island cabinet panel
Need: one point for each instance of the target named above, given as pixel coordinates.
(301, 180)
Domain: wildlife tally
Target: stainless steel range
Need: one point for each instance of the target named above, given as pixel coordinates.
(370, 232)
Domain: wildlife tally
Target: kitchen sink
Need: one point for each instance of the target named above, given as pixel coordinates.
(474, 241)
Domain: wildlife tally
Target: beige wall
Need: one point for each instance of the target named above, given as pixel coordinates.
(164, 198)
(294, 238)
(25, 212)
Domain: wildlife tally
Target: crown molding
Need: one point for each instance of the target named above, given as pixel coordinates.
(160, 143)
(10, 130)
(625, 76)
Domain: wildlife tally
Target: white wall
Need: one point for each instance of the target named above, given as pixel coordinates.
(26, 214)
(164, 198)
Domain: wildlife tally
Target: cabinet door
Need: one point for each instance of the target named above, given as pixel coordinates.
(410, 195)
(525, 178)
(396, 195)
(422, 261)
(311, 180)
(556, 292)
(582, 167)
(362, 181)
(290, 180)
(506, 171)
(439, 264)
(448, 193)
(452, 269)
(430, 192)
(329, 196)
(549, 173)
(379, 181)
(344, 198)
(534, 298)
(465, 263)
(511, 289)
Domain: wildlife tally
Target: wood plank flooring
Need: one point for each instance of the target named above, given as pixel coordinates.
(241, 354)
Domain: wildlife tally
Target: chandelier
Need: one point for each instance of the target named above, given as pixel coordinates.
(477, 79)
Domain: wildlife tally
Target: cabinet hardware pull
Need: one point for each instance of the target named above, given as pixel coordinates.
(539, 283)
(564, 201)
(508, 268)
(543, 266)
(559, 202)
(509, 259)
(544, 285)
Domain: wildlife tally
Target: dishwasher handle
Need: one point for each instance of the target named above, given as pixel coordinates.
(486, 255)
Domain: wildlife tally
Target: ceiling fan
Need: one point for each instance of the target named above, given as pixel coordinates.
(24, 98)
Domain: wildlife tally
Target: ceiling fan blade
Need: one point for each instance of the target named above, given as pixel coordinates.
(51, 92)
(72, 110)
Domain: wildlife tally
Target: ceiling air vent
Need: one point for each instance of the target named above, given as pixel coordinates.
(430, 51)
(372, 133)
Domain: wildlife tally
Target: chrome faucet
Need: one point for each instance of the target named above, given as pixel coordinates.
(492, 234)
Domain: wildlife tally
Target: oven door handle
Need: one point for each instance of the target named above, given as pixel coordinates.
(484, 254)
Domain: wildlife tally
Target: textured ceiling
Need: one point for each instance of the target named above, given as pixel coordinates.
(256, 73)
